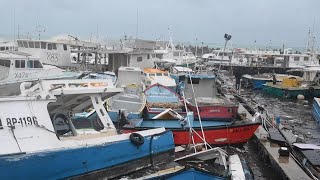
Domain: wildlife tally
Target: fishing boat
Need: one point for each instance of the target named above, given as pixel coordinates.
(154, 76)
(17, 67)
(160, 98)
(316, 110)
(129, 104)
(200, 91)
(218, 165)
(291, 87)
(257, 81)
(40, 141)
(215, 132)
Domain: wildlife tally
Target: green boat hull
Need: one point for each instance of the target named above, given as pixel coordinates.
(292, 92)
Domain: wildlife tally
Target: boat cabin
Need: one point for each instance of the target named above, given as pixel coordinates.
(129, 75)
(154, 76)
(204, 85)
(50, 52)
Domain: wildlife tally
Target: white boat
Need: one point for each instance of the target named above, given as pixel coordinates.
(18, 67)
(154, 76)
(127, 105)
(40, 141)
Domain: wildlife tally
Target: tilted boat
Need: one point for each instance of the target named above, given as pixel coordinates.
(291, 87)
(40, 141)
(257, 81)
(200, 91)
(160, 98)
(17, 67)
(216, 132)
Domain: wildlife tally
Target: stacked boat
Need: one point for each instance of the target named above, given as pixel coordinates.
(69, 124)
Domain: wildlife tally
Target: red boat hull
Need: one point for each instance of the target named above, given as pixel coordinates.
(235, 134)
(227, 113)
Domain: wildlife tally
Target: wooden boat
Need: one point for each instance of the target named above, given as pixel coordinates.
(216, 132)
(160, 98)
(291, 87)
(40, 141)
(131, 102)
(212, 106)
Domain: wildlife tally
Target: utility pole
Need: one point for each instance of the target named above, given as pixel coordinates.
(227, 37)
(196, 47)
(202, 48)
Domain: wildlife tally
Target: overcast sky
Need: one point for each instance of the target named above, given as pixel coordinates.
(275, 21)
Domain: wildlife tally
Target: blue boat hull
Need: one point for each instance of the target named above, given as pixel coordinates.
(65, 163)
(258, 84)
(114, 116)
(316, 111)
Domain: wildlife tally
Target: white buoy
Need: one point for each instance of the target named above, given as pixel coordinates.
(300, 97)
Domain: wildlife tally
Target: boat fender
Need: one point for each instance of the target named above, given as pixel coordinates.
(137, 139)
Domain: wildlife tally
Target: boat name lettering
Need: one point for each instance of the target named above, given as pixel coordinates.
(21, 75)
(214, 110)
(23, 121)
(53, 57)
(241, 129)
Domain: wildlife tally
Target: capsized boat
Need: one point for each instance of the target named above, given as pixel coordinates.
(154, 76)
(40, 141)
(216, 132)
(291, 87)
(160, 98)
(129, 103)
(200, 91)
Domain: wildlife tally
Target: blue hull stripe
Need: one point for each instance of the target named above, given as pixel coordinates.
(71, 162)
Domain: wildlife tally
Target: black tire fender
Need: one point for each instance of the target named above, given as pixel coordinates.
(137, 139)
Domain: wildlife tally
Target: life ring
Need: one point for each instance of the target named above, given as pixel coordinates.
(137, 139)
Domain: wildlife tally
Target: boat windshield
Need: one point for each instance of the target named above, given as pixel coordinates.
(151, 74)
(165, 74)
(159, 74)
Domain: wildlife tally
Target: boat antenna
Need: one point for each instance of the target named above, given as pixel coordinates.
(137, 27)
(170, 39)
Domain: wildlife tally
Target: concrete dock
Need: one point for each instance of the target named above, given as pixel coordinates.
(286, 167)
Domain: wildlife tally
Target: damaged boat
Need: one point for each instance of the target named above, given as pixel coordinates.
(41, 141)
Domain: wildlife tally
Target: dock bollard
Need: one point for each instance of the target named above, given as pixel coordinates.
(278, 120)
